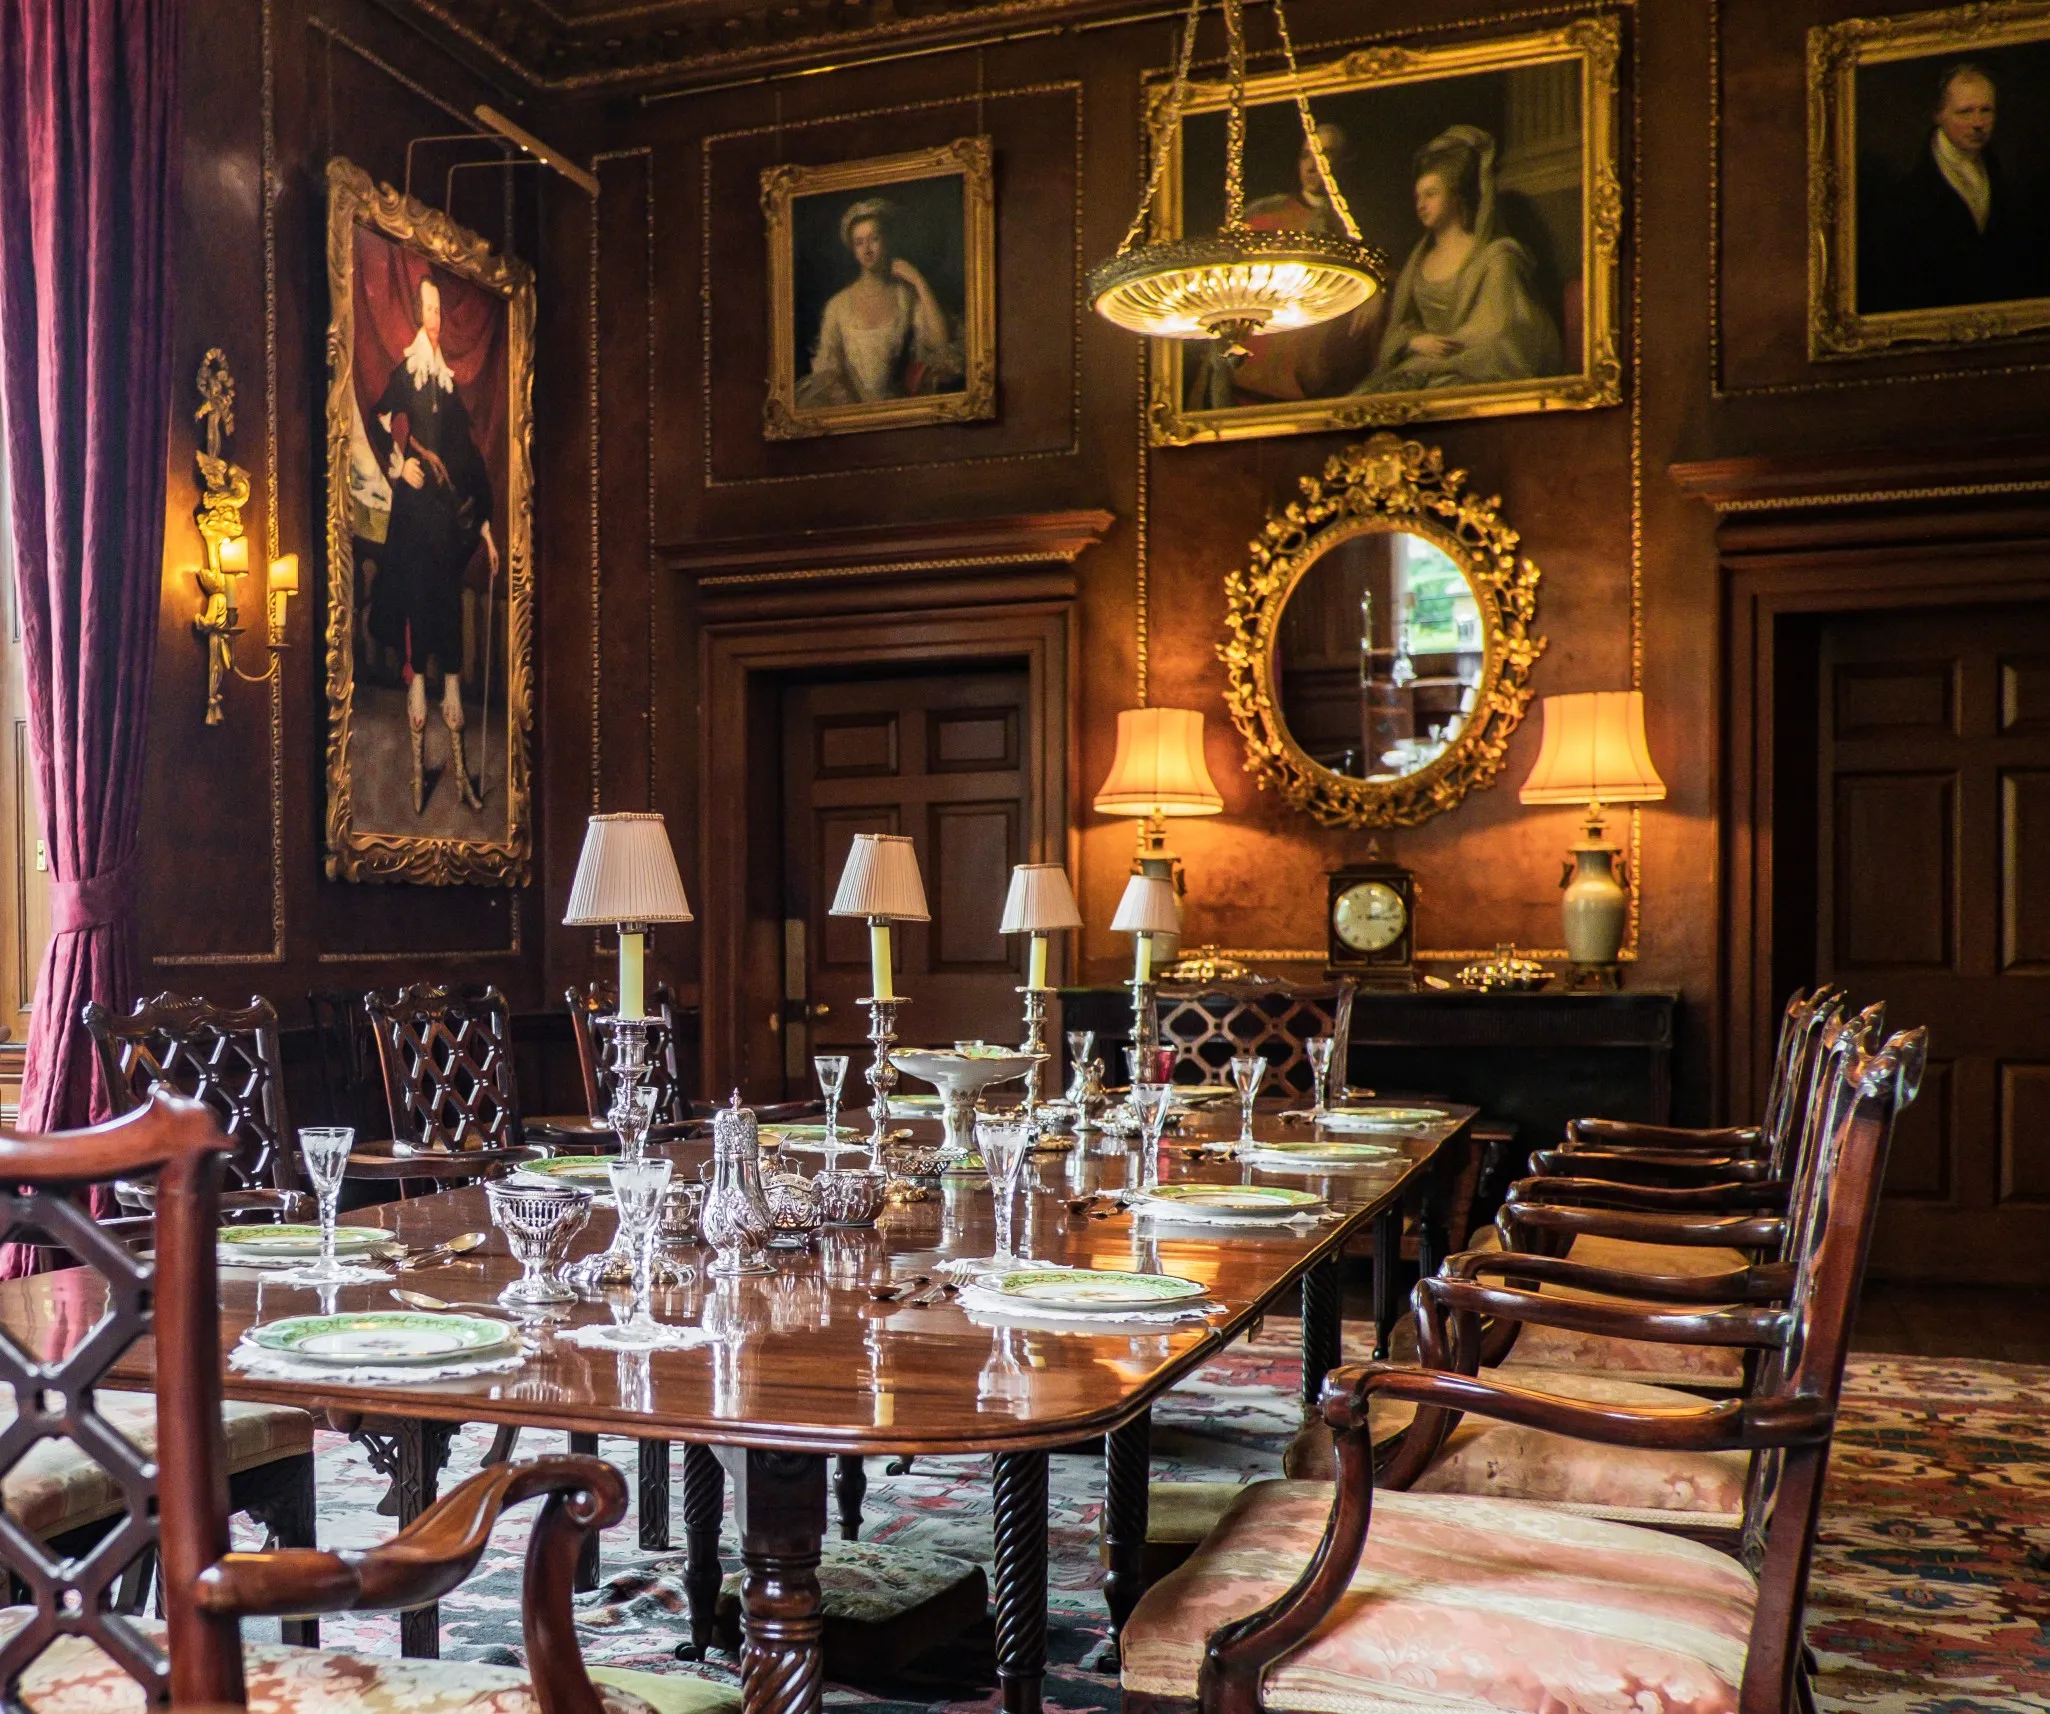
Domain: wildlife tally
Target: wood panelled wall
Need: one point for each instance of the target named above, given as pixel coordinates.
(647, 436)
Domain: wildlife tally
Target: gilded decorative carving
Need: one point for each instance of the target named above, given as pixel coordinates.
(1836, 52)
(1594, 46)
(1385, 485)
(357, 853)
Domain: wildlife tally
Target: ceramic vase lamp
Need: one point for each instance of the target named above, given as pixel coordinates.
(627, 878)
(1159, 773)
(1040, 903)
(881, 882)
(1149, 913)
(1594, 753)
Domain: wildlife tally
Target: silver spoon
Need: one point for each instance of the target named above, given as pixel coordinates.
(436, 1255)
(427, 1301)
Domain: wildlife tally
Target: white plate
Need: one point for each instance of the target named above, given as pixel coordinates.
(1344, 1119)
(383, 1337)
(1255, 1204)
(297, 1240)
(1092, 1290)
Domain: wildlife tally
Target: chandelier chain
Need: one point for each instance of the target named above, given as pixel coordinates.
(1162, 153)
(1235, 120)
(1316, 143)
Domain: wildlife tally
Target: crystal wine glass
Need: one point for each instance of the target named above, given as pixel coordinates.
(1081, 1049)
(325, 1149)
(1248, 1071)
(832, 1074)
(1151, 1101)
(638, 1187)
(538, 1223)
(1318, 1049)
(1004, 1144)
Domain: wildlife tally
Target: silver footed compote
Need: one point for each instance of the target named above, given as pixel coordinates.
(960, 1074)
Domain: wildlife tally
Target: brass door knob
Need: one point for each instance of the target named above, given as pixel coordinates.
(821, 1010)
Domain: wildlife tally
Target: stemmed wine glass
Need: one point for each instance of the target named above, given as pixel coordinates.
(1004, 1143)
(1318, 1049)
(638, 1187)
(325, 1149)
(1151, 1101)
(1248, 1071)
(832, 1074)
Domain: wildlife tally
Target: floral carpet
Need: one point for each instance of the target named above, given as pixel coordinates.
(1931, 1591)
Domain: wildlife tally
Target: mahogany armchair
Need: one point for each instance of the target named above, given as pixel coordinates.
(446, 1058)
(1312, 1596)
(68, 1650)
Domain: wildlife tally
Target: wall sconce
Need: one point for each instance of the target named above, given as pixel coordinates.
(219, 617)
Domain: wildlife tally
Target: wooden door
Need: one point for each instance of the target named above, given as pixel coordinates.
(1933, 894)
(943, 757)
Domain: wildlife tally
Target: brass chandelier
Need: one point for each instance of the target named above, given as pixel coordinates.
(1241, 282)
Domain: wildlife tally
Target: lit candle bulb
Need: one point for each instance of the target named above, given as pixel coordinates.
(632, 965)
(879, 959)
(1036, 970)
(1142, 957)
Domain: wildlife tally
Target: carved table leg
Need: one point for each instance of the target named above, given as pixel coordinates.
(411, 1452)
(779, 1511)
(1021, 1578)
(654, 1496)
(586, 1445)
(1127, 1466)
(850, 1484)
(704, 1506)
(1387, 1262)
(1321, 1328)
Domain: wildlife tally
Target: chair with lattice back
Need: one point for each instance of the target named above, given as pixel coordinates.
(448, 1068)
(592, 1011)
(67, 1648)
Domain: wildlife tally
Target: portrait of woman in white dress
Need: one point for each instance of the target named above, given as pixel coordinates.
(1465, 310)
(886, 335)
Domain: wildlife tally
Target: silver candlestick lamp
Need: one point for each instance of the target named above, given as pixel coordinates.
(881, 883)
(1147, 908)
(1040, 903)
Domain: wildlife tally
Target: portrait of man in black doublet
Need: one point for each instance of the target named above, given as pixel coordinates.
(420, 434)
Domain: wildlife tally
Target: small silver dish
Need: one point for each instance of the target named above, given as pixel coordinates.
(852, 1196)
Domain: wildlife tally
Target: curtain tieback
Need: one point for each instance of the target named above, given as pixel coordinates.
(77, 907)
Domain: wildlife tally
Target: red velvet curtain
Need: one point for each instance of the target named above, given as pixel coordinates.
(89, 153)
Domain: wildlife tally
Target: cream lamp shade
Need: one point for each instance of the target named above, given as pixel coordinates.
(284, 574)
(1148, 907)
(1040, 901)
(1594, 751)
(881, 880)
(1158, 768)
(626, 874)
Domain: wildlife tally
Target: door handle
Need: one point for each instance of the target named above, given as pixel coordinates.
(821, 1010)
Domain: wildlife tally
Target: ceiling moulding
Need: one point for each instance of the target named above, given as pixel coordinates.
(660, 46)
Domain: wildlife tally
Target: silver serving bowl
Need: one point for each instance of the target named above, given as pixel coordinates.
(852, 1196)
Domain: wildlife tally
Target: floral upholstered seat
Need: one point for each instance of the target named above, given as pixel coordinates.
(73, 1676)
(1459, 1604)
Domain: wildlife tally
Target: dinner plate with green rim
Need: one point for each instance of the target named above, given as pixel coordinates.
(383, 1336)
(1249, 1202)
(1323, 1154)
(298, 1240)
(1381, 1118)
(583, 1171)
(1202, 1094)
(913, 1106)
(1093, 1289)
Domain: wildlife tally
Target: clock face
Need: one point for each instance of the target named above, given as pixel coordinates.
(1369, 917)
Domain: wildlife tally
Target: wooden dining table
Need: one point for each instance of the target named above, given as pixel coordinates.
(805, 1365)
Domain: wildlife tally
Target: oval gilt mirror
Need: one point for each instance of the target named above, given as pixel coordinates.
(1379, 645)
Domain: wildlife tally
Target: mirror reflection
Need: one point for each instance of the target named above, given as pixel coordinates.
(1378, 655)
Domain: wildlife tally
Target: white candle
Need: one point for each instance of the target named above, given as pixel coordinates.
(1036, 971)
(879, 961)
(632, 993)
(1142, 957)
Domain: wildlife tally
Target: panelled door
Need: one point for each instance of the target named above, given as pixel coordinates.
(940, 756)
(1933, 888)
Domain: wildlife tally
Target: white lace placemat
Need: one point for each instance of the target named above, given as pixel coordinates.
(597, 1337)
(1168, 1216)
(984, 1305)
(1322, 1167)
(262, 1365)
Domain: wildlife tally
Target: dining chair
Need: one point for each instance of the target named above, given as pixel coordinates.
(449, 1084)
(592, 1010)
(68, 1649)
(351, 1080)
(1309, 1597)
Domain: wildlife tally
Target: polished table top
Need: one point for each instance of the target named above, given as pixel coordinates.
(808, 1359)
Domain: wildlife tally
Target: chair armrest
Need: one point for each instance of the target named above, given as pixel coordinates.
(1648, 1166)
(1624, 1134)
(1649, 1198)
(1769, 1283)
(1735, 1232)
(1743, 1326)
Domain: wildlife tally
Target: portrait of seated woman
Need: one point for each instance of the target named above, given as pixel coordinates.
(886, 335)
(1466, 308)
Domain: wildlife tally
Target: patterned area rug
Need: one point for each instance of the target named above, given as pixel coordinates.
(1931, 1591)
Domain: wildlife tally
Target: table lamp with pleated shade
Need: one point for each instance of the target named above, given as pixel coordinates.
(881, 882)
(627, 876)
(1594, 753)
(1159, 773)
(1039, 903)
(1148, 908)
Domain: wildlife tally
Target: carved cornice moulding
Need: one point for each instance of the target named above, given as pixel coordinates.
(676, 45)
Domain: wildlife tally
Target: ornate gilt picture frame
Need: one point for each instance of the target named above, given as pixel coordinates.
(430, 577)
(1388, 485)
(1513, 139)
(1926, 167)
(882, 292)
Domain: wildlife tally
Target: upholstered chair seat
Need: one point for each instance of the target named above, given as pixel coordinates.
(1459, 1604)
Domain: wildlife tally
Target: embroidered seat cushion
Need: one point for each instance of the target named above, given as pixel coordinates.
(1460, 1604)
(56, 1486)
(1653, 1362)
(73, 1676)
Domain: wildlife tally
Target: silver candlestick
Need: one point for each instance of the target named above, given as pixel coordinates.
(882, 1075)
(1034, 1043)
(631, 1116)
(1145, 1019)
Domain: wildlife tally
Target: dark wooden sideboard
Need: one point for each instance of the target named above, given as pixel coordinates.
(1535, 1059)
